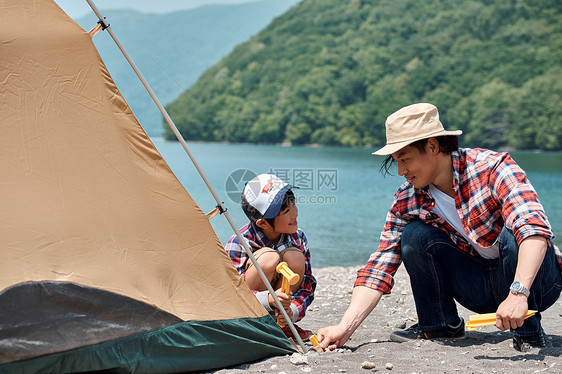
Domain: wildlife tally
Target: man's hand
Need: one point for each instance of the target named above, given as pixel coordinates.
(511, 312)
(331, 337)
(363, 301)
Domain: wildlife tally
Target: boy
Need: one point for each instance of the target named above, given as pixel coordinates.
(273, 237)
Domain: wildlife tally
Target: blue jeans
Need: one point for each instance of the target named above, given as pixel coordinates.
(440, 273)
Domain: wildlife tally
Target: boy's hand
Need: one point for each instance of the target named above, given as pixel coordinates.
(285, 302)
(283, 297)
(281, 319)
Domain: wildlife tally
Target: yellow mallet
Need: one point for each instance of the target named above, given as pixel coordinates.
(487, 319)
(289, 278)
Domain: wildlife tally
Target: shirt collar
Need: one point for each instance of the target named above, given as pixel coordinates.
(455, 156)
(262, 240)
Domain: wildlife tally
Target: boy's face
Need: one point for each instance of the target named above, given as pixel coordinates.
(420, 169)
(286, 220)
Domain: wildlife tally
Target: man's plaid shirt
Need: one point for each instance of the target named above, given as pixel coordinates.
(257, 240)
(491, 191)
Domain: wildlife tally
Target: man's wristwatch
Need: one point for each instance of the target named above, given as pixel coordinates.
(517, 287)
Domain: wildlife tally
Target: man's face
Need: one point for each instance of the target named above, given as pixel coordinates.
(418, 168)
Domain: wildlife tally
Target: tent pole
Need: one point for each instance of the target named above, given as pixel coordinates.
(173, 127)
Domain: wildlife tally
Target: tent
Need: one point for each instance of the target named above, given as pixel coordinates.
(107, 263)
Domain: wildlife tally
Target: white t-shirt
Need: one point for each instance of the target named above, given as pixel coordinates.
(445, 208)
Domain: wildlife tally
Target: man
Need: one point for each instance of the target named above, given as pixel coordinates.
(469, 227)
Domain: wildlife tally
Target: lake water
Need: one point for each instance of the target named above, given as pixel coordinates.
(342, 199)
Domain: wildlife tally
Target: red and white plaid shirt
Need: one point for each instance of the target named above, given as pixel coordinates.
(491, 191)
(257, 240)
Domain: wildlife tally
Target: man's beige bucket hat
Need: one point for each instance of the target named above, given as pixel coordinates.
(412, 123)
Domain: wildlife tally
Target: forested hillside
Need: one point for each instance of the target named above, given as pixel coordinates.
(331, 71)
(173, 49)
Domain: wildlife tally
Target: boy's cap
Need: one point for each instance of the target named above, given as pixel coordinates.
(410, 124)
(265, 193)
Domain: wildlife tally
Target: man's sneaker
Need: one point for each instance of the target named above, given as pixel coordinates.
(415, 333)
(304, 334)
(525, 343)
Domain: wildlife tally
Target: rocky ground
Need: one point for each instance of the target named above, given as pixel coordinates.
(486, 350)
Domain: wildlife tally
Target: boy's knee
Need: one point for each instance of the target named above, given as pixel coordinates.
(269, 260)
(294, 257)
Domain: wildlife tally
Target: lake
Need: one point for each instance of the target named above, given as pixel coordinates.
(343, 198)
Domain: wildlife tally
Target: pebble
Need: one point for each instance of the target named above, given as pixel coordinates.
(298, 359)
(367, 365)
(388, 366)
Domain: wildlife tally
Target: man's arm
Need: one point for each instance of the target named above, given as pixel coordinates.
(378, 272)
(363, 301)
(511, 312)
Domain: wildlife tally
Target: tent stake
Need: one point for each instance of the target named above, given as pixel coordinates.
(180, 138)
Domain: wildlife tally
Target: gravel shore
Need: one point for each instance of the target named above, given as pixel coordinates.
(486, 350)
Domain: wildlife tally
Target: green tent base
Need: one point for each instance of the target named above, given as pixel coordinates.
(183, 347)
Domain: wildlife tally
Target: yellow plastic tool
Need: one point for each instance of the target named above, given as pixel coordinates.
(289, 278)
(488, 319)
(315, 343)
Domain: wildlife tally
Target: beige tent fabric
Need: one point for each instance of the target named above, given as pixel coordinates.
(85, 196)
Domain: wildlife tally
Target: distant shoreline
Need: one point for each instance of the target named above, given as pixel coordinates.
(318, 145)
(284, 145)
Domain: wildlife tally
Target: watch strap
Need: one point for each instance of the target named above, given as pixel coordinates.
(517, 287)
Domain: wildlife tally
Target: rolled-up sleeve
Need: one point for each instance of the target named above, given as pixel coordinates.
(521, 209)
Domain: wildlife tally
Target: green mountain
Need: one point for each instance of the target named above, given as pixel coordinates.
(172, 50)
(331, 71)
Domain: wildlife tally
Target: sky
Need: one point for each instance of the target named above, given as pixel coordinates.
(78, 8)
